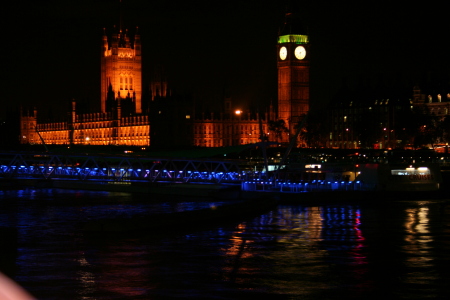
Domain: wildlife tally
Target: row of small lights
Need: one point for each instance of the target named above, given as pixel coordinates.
(129, 170)
(305, 183)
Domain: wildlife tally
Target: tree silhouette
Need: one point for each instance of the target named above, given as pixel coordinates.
(278, 127)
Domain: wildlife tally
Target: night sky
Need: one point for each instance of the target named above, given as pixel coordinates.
(208, 48)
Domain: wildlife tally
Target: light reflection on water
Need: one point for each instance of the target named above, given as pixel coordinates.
(291, 252)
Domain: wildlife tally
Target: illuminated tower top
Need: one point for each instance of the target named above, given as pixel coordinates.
(293, 31)
(121, 68)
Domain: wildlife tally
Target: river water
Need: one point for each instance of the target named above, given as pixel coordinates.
(398, 250)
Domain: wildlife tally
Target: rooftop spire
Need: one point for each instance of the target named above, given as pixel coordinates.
(292, 23)
(120, 16)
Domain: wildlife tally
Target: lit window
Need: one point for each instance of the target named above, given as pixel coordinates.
(411, 171)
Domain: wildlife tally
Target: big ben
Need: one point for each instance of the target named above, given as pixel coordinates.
(293, 51)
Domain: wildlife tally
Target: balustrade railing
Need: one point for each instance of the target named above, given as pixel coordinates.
(118, 168)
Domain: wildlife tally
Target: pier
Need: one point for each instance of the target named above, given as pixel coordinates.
(140, 173)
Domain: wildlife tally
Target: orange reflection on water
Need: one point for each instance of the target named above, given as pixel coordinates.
(238, 243)
(418, 236)
(417, 222)
(236, 253)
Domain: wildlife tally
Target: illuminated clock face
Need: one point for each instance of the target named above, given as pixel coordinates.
(300, 52)
(283, 53)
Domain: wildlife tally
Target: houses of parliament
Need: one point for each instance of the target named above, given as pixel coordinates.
(127, 117)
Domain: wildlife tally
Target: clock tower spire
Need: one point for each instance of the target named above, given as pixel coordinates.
(293, 72)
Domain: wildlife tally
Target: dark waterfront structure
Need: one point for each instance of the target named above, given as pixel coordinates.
(390, 117)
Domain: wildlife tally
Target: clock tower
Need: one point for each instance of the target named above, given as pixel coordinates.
(293, 73)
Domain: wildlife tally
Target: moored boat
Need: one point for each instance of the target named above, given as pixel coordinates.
(350, 179)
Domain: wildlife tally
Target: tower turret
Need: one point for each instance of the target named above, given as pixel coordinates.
(121, 68)
(137, 43)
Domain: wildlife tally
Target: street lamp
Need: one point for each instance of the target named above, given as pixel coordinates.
(238, 113)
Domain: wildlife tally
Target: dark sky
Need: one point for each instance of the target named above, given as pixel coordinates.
(51, 48)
